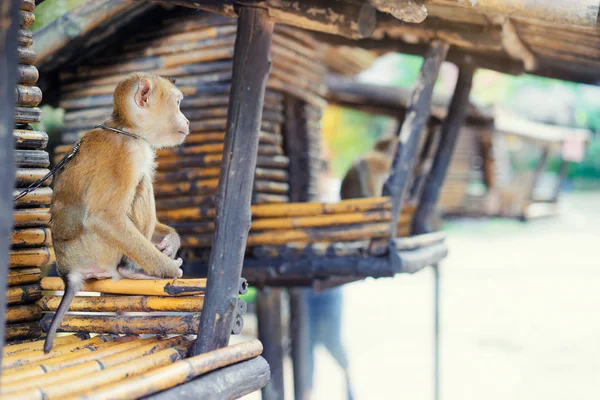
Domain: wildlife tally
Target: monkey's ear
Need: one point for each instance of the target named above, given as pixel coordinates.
(143, 93)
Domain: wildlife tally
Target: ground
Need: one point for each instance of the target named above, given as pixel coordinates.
(519, 316)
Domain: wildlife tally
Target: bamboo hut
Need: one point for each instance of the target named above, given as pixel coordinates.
(292, 243)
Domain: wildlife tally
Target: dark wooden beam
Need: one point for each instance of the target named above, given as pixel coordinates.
(251, 67)
(353, 20)
(9, 27)
(412, 128)
(449, 136)
(268, 312)
(299, 331)
(231, 382)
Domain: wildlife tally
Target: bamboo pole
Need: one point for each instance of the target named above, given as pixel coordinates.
(38, 197)
(23, 313)
(26, 176)
(31, 237)
(159, 287)
(126, 303)
(32, 217)
(23, 330)
(63, 381)
(186, 324)
(32, 370)
(36, 257)
(26, 139)
(39, 344)
(23, 276)
(35, 354)
(23, 294)
(173, 374)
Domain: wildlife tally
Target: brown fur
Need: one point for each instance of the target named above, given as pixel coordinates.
(103, 213)
(368, 173)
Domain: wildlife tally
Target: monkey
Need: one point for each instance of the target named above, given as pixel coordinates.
(103, 216)
(368, 173)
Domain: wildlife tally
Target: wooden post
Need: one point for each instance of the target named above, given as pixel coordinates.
(268, 313)
(251, 67)
(299, 329)
(9, 26)
(417, 115)
(539, 169)
(425, 162)
(450, 130)
(562, 173)
(297, 145)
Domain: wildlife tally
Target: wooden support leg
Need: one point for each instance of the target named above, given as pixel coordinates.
(301, 348)
(268, 312)
(436, 332)
(562, 173)
(417, 115)
(251, 67)
(9, 25)
(450, 130)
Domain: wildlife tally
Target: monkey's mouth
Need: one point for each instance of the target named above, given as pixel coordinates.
(184, 133)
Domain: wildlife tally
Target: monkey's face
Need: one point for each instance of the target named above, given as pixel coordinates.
(157, 103)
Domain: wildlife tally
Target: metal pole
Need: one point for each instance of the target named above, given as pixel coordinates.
(268, 313)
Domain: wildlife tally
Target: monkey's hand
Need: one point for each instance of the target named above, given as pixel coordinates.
(170, 244)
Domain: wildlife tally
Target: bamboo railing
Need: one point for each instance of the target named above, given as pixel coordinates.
(31, 240)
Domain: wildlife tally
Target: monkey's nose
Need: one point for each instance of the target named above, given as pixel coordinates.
(187, 122)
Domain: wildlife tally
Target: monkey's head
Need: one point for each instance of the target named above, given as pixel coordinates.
(149, 105)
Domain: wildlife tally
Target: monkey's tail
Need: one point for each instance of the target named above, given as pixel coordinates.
(71, 288)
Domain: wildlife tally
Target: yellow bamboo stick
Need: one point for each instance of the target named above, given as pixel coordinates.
(13, 349)
(70, 380)
(126, 303)
(23, 276)
(159, 287)
(71, 373)
(33, 365)
(173, 374)
(23, 313)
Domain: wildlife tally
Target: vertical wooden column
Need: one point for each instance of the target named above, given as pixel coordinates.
(450, 130)
(417, 115)
(297, 148)
(268, 313)
(251, 67)
(539, 169)
(425, 163)
(562, 173)
(9, 25)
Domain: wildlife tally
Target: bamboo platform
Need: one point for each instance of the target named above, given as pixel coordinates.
(109, 367)
(31, 240)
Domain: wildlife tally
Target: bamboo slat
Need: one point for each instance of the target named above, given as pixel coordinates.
(38, 197)
(55, 382)
(31, 158)
(37, 345)
(35, 353)
(26, 139)
(31, 237)
(24, 115)
(28, 96)
(23, 276)
(26, 55)
(30, 218)
(174, 202)
(26, 176)
(189, 174)
(41, 366)
(175, 373)
(23, 294)
(27, 74)
(23, 313)
(21, 331)
(186, 324)
(27, 5)
(35, 257)
(126, 303)
(25, 38)
(159, 287)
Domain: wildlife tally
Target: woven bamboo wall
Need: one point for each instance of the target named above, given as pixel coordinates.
(31, 239)
(197, 50)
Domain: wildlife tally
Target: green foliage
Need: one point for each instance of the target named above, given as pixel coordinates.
(50, 10)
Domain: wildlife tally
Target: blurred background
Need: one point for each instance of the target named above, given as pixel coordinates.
(519, 300)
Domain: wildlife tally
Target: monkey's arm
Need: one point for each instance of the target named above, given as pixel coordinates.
(122, 233)
(166, 238)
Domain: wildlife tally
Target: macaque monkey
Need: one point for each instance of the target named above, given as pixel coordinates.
(103, 212)
(368, 173)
